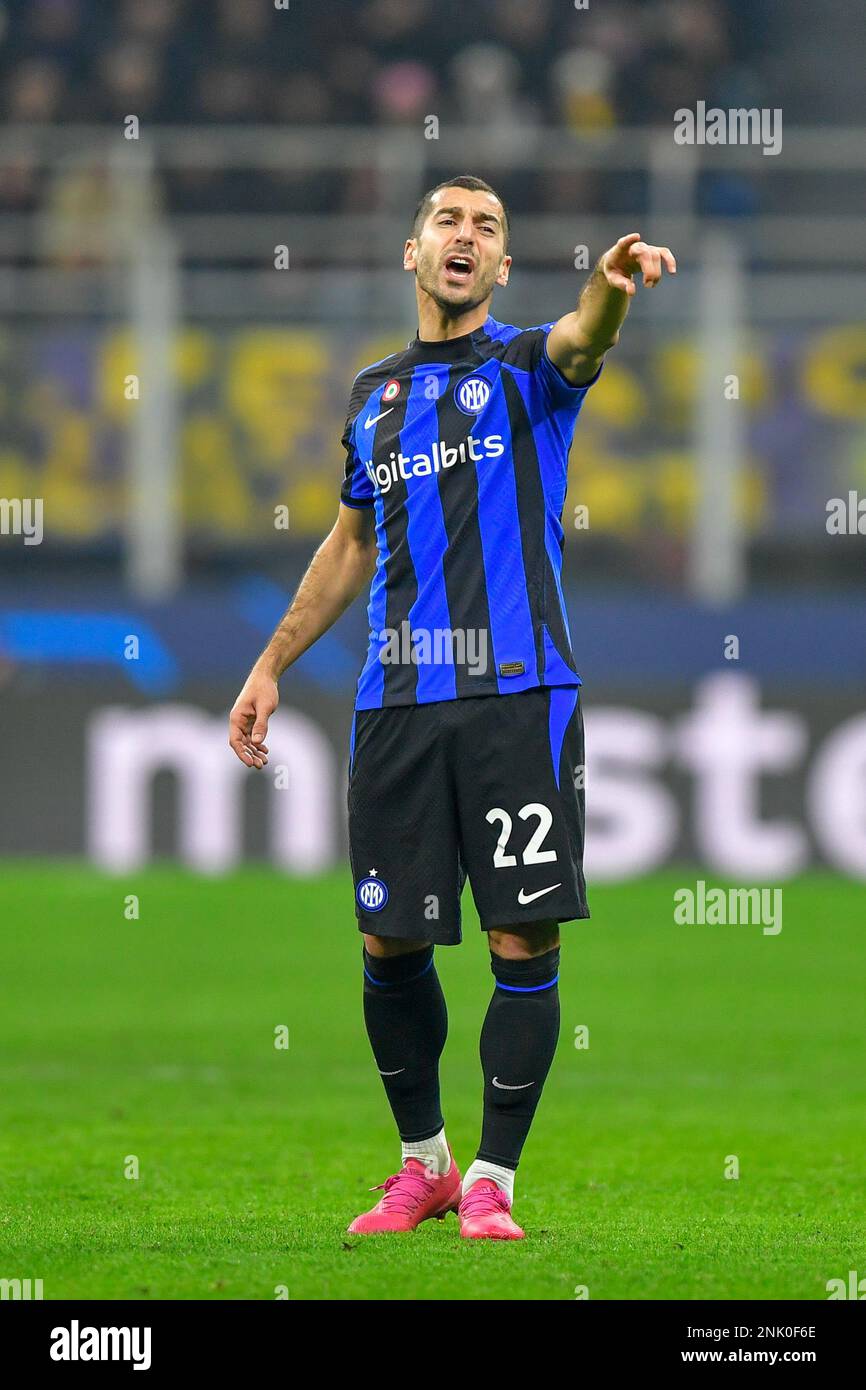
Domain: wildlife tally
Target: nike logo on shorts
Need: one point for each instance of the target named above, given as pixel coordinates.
(501, 1086)
(391, 1073)
(523, 897)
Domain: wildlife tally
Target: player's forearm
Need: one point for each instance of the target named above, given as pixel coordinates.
(599, 316)
(336, 575)
(579, 341)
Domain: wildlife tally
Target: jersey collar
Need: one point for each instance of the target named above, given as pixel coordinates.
(448, 349)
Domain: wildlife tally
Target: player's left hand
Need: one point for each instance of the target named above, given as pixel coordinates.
(631, 256)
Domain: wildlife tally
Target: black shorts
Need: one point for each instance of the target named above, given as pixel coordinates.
(490, 787)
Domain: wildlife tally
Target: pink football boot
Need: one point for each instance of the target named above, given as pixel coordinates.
(411, 1196)
(485, 1213)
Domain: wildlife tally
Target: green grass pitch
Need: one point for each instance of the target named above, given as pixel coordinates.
(155, 1038)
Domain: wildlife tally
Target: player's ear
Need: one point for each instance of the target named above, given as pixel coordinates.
(409, 254)
(505, 266)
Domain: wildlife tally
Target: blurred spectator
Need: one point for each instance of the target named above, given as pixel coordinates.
(230, 92)
(527, 31)
(582, 79)
(21, 184)
(303, 100)
(53, 29)
(350, 72)
(151, 20)
(394, 27)
(244, 25)
(34, 92)
(403, 92)
(698, 29)
(129, 73)
(487, 92)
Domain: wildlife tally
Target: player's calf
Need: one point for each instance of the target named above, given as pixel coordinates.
(518, 1042)
(406, 1018)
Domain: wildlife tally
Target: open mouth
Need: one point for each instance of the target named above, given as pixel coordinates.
(459, 268)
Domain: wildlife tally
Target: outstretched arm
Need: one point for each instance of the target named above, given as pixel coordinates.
(578, 342)
(338, 571)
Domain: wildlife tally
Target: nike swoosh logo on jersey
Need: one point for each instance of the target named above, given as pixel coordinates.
(523, 897)
(371, 419)
(391, 1073)
(501, 1086)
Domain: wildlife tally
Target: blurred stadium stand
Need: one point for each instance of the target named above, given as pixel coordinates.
(262, 128)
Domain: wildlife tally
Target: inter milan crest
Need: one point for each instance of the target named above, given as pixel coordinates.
(371, 893)
(472, 394)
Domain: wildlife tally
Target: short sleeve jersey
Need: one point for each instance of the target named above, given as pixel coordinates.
(461, 449)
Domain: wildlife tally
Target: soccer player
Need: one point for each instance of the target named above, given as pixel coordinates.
(466, 749)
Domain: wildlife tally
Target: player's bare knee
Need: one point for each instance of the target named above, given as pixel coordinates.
(523, 942)
(384, 946)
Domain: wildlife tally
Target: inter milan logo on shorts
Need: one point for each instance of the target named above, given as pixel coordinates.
(371, 893)
(472, 394)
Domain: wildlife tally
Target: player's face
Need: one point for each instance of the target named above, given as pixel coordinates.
(458, 256)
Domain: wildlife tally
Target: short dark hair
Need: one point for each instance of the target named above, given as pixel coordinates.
(475, 185)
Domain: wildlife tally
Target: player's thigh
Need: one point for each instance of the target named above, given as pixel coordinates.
(520, 800)
(403, 832)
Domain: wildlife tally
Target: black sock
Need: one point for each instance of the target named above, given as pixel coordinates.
(518, 1041)
(407, 1022)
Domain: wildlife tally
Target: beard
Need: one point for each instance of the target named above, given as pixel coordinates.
(455, 299)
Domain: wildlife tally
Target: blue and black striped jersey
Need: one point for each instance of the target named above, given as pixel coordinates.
(462, 449)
